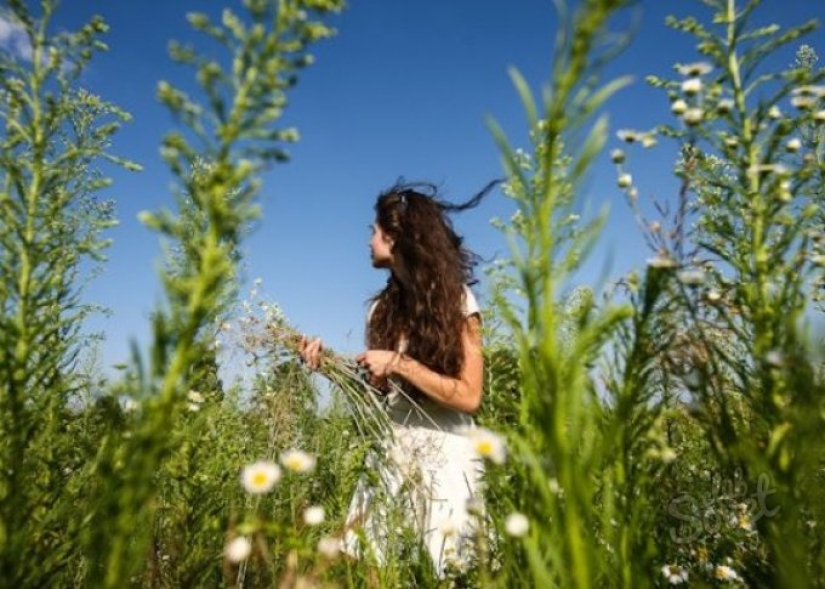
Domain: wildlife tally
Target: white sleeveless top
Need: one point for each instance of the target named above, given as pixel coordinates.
(422, 411)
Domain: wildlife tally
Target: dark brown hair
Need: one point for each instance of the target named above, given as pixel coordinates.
(424, 295)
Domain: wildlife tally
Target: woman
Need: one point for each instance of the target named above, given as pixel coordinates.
(424, 352)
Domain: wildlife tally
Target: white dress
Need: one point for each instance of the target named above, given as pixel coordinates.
(429, 473)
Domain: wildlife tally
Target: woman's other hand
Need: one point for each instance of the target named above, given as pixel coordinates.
(380, 363)
(311, 350)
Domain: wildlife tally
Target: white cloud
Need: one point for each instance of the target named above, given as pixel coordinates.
(13, 38)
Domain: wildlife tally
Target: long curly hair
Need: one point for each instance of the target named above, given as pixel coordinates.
(422, 301)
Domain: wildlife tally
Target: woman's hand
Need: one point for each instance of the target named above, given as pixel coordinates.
(311, 350)
(380, 363)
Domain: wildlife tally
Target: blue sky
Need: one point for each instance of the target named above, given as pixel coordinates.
(402, 90)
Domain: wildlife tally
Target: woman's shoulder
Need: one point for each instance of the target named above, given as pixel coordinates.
(470, 303)
(371, 309)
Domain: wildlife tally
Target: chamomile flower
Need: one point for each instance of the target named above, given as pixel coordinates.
(678, 107)
(260, 477)
(692, 86)
(675, 574)
(130, 405)
(629, 136)
(775, 358)
(692, 70)
(725, 573)
(314, 515)
(516, 524)
(488, 445)
(649, 140)
(238, 549)
(298, 461)
(329, 546)
(803, 102)
(793, 145)
(808, 90)
(693, 116)
(661, 261)
(691, 277)
(195, 397)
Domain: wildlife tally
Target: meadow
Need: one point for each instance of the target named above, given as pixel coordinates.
(666, 431)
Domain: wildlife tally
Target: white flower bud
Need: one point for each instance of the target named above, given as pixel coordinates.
(678, 107)
(625, 180)
(692, 86)
(693, 116)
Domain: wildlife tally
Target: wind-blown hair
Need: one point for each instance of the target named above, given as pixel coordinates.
(423, 299)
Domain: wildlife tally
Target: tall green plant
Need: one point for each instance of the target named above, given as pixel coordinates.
(758, 192)
(571, 441)
(235, 131)
(55, 135)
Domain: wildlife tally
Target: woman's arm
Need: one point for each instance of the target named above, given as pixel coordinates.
(462, 393)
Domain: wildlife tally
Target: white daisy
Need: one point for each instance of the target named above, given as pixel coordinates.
(661, 261)
(692, 86)
(691, 277)
(259, 477)
(675, 574)
(238, 549)
(725, 573)
(699, 68)
(488, 445)
(314, 515)
(329, 546)
(678, 107)
(195, 397)
(629, 136)
(713, 296)
(298, 461)
(693, 116)
(516, 524)
(775, 358)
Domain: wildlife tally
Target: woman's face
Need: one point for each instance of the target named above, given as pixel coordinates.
(380, 248)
